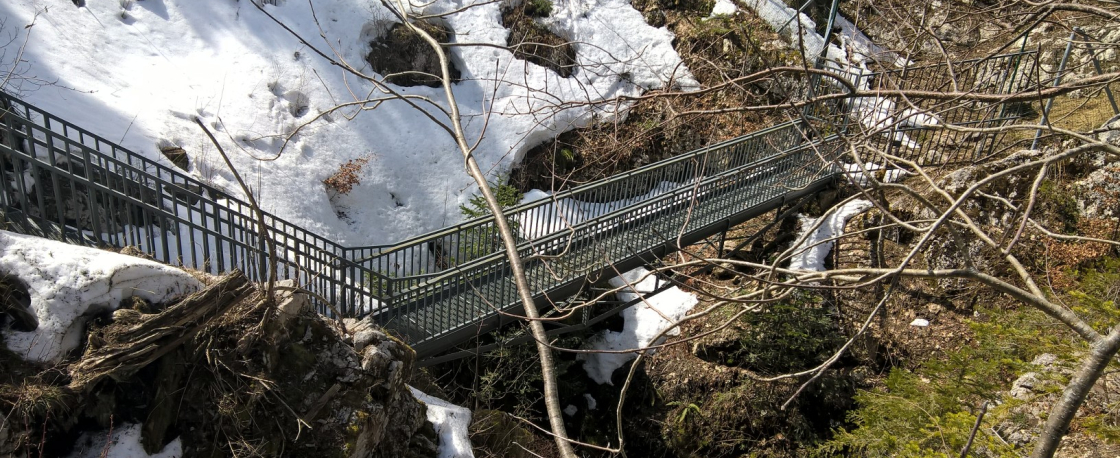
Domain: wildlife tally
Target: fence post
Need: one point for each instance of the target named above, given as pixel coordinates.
(1097, 67)
(814, 80)
(1057, 82)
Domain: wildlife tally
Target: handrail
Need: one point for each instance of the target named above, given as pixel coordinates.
(571, 231)
(586, 187)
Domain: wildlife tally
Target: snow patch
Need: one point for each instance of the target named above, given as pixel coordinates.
(450, 422)
(68, 284)
(724, 8)
(563, 214)
(812, 251)
(920, 322)
(862, 175)
(642, 322)
(124, 443)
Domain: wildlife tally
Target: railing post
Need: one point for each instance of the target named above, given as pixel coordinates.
(1097, 67)
(814, 80)
(1057, 82)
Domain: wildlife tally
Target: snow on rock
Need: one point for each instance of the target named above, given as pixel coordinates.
(724, 8)
(143, 71)
(124, 443)
(862, 174)
(68, 284)
(849, 60)
(642, 322)
(812, 251)
(879, 114)
(450, 422)
(787, 22)
(611, 37)
(591, 402)
(856, 48)
(861, 48)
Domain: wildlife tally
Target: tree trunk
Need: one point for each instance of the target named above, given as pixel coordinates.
(548, 368)
(1100, 356)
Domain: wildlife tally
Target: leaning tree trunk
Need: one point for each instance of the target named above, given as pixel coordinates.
(1100, 356)
(548, 368)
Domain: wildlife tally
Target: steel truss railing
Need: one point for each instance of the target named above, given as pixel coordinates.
(65, 183)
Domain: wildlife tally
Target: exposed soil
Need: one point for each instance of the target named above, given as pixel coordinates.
(716, 50)
(226, 373)
(405, 59)
(533, 42)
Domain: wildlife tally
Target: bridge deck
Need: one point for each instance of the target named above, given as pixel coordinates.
(436, 321)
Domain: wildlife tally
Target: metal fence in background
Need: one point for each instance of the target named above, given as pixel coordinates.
(906, 128)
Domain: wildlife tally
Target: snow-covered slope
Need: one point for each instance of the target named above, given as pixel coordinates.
(139, 71)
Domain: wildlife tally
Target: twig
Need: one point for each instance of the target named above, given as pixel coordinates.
(975, 427)
(261, 226)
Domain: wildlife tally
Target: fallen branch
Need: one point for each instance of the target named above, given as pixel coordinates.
(133, 342)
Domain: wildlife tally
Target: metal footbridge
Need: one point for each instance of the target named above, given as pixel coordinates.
(439, 289)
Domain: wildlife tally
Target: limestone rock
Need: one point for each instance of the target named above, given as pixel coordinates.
(1112, 134)
(1025, 385)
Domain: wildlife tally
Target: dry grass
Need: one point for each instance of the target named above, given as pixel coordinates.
(1083, 114)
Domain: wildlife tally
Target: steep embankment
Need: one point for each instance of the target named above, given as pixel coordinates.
(99, 344)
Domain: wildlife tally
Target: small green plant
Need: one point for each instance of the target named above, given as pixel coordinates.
(691, 407)
(563, 159)
(1061, 203)
(476, 207)
(932, 408)
(482, 240)
(538, 8)
(786, 336)
(647, 124)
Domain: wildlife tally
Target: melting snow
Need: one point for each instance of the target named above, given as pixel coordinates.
(124, 443)
(642, 322)
(591, 403)
(68, 284)
(811, 253)
(142, 71)
(724, 8)
(860, 175)
(451, 423)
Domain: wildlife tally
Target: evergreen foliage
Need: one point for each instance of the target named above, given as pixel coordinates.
(930, 410)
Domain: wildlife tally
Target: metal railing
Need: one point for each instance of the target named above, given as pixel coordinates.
(902, 127)
(65, 183)
(62, 182)
(426, 257)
